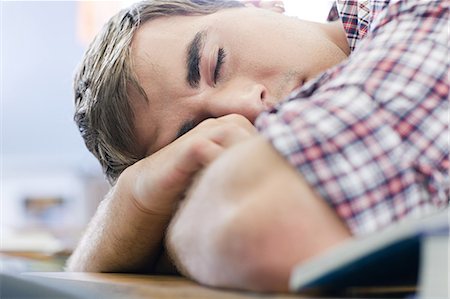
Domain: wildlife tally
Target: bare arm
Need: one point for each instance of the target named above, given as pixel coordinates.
(126, 232)
(249, 219)
(114, 240)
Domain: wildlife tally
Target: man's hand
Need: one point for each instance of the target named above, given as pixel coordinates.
(159, 181)
(126, 232)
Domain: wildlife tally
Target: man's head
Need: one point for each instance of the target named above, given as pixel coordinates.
(106, 77)
(150, 77)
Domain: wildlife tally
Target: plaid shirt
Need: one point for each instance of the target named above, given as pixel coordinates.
(371, 134)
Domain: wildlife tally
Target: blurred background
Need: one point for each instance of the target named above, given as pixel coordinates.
(50, 184)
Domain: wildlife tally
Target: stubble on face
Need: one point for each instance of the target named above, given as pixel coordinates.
(289, 82)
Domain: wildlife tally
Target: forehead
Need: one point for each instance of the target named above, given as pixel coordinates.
(156, 38)
(160, 44)
(158, 56)
(159, 47)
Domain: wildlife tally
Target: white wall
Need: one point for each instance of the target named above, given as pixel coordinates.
(312, 10)
(42, 153)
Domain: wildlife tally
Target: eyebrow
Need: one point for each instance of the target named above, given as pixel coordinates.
(193, 59)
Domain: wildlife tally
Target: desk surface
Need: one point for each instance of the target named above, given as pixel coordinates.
(137, 286)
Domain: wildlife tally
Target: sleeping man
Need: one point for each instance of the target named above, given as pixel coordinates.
(246, 141)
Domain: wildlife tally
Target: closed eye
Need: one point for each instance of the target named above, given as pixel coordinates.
(220, 60)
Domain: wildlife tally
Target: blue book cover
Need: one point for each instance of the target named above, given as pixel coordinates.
(389, 261)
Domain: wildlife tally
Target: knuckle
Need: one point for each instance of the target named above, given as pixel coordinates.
(234, 129)
(239, 120)
(235, 118)
(209, 122)
(196, 148)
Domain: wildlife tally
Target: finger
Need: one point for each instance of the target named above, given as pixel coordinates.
(176, 174)
(229, 135)
(234, 129)
(198, 155)
(239, 120)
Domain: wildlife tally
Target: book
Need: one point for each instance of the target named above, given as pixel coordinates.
(16, 287)
(434, 275)
(411, 257)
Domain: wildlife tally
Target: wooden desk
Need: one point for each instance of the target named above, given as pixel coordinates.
(99, 286)
(96, 285)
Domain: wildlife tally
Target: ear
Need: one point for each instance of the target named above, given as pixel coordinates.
(275, 6)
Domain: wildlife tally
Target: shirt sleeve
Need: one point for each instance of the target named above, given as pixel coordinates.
(371, 135)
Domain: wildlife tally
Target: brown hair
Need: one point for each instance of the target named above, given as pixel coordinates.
(103, 111)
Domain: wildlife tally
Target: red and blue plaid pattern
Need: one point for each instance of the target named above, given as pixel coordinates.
(355, 16)
(371, 135)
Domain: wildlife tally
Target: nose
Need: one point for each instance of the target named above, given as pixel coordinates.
(247, 99)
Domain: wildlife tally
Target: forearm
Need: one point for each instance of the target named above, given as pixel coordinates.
(249, 220)
(126, 232)
(120, 237)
